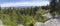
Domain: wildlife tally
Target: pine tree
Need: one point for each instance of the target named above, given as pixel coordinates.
(53, 8)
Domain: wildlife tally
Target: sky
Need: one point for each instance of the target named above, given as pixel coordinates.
(10, 3)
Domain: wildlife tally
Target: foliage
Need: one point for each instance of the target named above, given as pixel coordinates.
(26, 16)
(29, 20)
(39, 16)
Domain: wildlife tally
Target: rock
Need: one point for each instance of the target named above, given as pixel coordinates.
(20, 25)
(47, 15)
(1, 24)
(51, 22)
(39, 24)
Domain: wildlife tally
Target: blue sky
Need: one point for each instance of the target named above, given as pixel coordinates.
(9, 3)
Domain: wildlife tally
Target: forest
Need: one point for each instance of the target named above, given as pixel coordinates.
(14, 16)
(28, 16)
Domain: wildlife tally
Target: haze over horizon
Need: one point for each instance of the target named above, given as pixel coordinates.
(13, 3)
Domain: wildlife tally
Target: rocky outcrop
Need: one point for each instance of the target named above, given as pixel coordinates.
(20, 25)
(51, 22)
(1, 24)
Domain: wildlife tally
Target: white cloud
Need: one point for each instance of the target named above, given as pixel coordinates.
(24, 4)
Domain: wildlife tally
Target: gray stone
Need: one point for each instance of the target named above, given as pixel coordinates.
(1, 24)
(39, 24)
(20, 25)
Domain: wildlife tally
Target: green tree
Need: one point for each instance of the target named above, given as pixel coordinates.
(53, 8)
